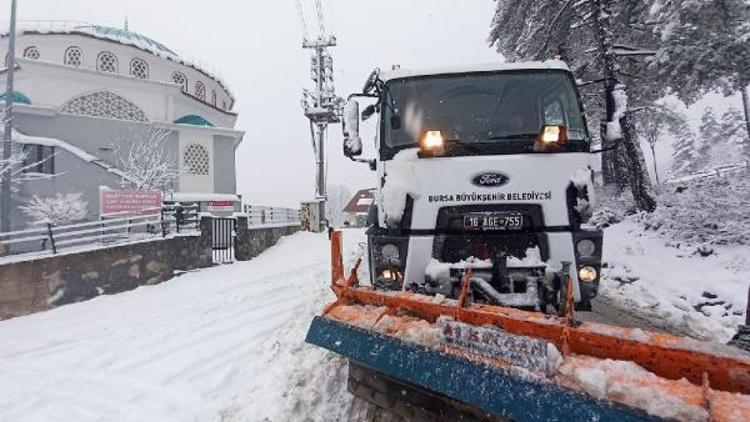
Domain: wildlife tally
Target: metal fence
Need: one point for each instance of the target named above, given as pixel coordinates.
(223, 231)
(111, 229)
(259, 215)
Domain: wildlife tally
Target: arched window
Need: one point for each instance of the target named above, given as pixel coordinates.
(31, 53)
(195, 159)
(200, 91)
(213, 98)
(73, 56)
(104, 104)
(181, 80)
(106, 62)
(139, 68)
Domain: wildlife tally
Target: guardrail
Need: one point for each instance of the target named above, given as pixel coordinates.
(260, 215)
(111, 229)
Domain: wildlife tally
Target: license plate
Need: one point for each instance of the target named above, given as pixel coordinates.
(493, 221)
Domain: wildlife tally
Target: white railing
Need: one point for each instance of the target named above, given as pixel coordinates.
(261, 215)
(112, 229)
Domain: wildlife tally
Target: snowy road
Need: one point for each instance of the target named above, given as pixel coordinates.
(224, 343)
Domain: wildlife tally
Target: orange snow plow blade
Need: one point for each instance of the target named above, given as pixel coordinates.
(709, 366)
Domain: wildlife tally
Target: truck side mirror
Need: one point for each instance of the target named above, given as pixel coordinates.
(350, 127)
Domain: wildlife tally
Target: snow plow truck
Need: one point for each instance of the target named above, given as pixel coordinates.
(479, 256)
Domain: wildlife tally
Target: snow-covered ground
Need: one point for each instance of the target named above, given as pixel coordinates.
(703, 296)
(221, 344)
(227, 343)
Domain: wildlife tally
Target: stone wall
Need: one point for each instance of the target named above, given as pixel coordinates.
(48, 282)
(44, 283)
(251, 241)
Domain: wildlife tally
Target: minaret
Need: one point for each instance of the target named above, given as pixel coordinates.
(126, 23)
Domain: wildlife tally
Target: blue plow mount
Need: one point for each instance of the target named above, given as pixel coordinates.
(490, 389)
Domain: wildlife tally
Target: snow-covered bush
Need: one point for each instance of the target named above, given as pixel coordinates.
(58, 209)
(612, 206)
(710, 211)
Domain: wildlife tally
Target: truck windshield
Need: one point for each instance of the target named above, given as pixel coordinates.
(505, 110)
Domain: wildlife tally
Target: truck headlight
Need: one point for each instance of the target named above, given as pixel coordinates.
(587, 274)
(585, 247)
(391, 275)
(432, 143)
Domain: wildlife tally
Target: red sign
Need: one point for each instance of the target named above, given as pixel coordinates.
(220, 205)
(129, 202)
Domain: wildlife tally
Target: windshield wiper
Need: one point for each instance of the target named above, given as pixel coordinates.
(513, 136)
(469, 145)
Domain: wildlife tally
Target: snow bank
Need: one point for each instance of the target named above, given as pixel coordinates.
(401, 181)
(628, 383)
(704, 296)
(705, 212)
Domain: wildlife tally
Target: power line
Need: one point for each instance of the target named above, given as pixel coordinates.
(321, 22)
(302, 19)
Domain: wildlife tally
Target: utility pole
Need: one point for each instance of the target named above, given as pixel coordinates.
(8, 116)
(322, 107)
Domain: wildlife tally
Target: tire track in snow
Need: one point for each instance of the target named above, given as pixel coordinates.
(181, 350)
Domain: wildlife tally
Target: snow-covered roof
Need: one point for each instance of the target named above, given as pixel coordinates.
(52, 142)
(125, 37)
(361, 201)
(118, 35)
(484, 67)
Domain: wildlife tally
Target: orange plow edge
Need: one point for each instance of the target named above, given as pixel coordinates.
(707, 374)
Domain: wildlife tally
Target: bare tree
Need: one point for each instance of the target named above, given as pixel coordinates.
(147, 162)
(56, 210)
(654, 122)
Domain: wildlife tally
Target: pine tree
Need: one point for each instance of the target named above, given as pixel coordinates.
(683, 154)
(710, 136)
(733, 131)
(705, 46)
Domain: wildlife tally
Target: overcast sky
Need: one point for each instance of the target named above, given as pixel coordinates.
(256, 47)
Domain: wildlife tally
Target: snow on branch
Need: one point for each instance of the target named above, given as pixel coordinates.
(625, 52)
(620, 98)
(147, 161)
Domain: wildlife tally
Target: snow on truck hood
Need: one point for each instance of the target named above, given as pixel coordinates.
(484, 67)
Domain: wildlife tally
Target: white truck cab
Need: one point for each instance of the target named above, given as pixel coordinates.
(487, 167)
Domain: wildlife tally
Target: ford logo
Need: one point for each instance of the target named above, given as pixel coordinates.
(489, 179)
